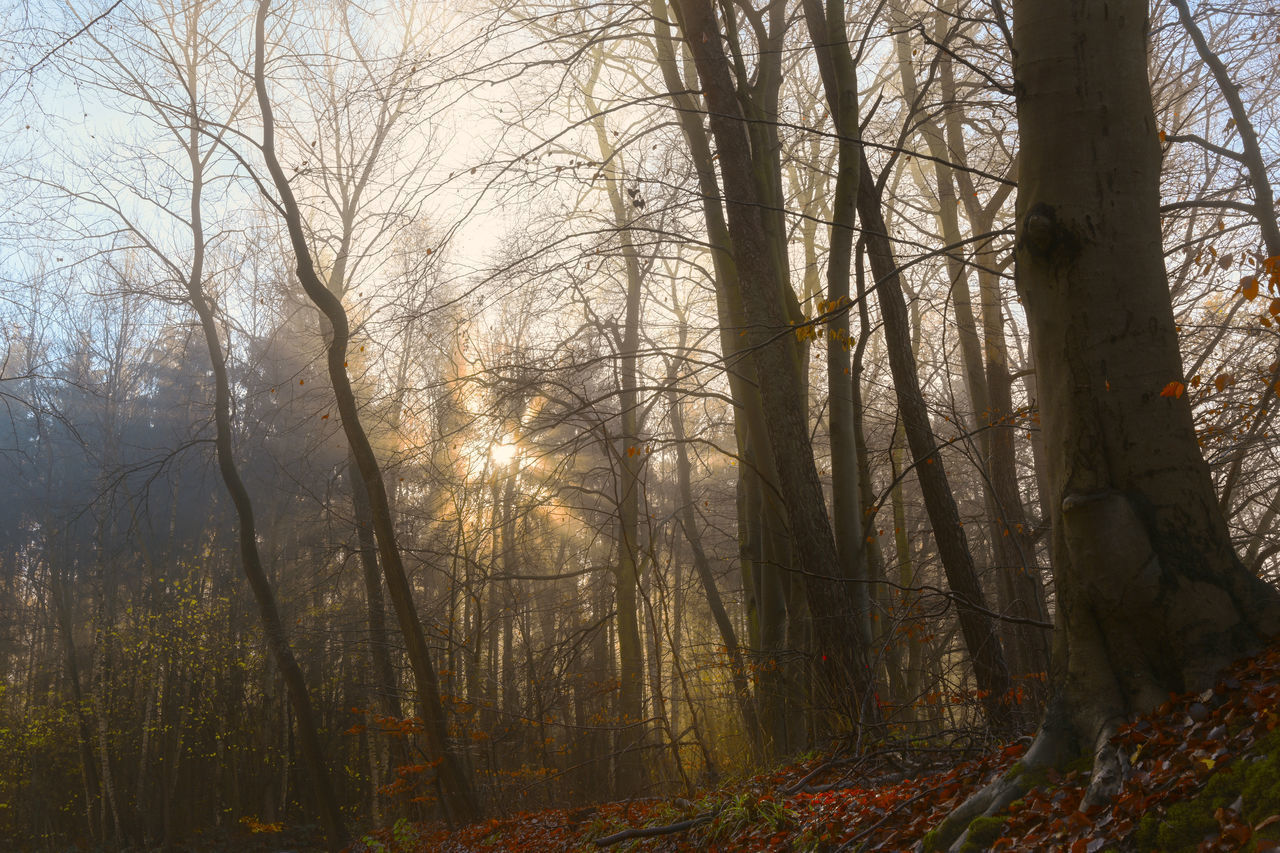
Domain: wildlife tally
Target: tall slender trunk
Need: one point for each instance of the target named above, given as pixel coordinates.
(251, 560)
(775, 352)
(702, 566)
(458, 796)
(980, 634)
(840, 82)
(629, 454)
(66, 633)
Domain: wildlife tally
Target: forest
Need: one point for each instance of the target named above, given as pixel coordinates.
(652, 424)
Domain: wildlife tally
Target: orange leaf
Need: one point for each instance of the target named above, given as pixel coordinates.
(1274, 308)
(1222, 380)
(1173, 389)
(1249, 287)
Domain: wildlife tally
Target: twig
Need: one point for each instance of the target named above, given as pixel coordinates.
(651, 831)
(66, 41)
(849, 845)
(817, 771)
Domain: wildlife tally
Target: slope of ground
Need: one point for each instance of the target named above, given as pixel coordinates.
(1204, 777)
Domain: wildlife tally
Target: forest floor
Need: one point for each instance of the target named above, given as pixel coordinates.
(1205, 777)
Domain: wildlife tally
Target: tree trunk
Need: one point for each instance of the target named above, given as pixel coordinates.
(459, 799)
(629, 455)
(759, 505)
(775, 352)
(250, 558)
(840, 82)
(980, 635)
(1151, 597)
(702, 565)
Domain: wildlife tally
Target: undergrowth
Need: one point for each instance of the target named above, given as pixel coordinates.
(1204, 777)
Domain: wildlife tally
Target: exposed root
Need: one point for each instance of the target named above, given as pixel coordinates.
(1051, 745)
(1110, 769)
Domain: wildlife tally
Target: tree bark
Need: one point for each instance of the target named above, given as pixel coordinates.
(775, 352)
(702, 565)
(458, 799)
(251, 560)
(840, 82)
(1151, 597)
(629, 454)
(980, 634)
(760, 511)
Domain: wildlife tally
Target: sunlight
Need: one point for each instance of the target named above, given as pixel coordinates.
(503, 453)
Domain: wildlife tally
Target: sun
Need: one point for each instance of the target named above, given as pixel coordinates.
(503, 453)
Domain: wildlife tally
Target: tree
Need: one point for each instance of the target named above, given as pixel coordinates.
(1151, 596)
(776, 355)
(458, 793)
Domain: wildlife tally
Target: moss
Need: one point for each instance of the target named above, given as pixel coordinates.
(1253, 778)
(1083, 763)
(1032, 777)
(983, 831)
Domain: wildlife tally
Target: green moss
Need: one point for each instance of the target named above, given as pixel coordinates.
(983, 831)
(1082, 763)
(930, 841)
(1031, 777)
(1253, 778)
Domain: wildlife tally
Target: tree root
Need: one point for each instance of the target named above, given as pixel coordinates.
(1051, 745)
(953, 832)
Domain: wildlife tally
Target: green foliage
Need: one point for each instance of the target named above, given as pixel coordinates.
(750, 811)
(39, 779)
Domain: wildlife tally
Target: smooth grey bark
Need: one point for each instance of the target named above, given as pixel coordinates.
(839, 75)
(628, 452)
(760, 510)
(1151, 597)
(984, 355)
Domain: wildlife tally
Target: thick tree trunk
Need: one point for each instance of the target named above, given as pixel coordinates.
(1151, 597)
(1123, 457)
